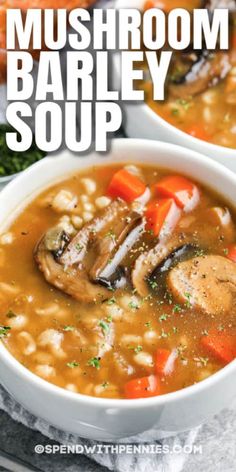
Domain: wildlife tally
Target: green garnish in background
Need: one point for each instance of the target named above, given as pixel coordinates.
(12, 162)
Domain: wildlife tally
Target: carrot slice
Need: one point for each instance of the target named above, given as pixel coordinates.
(165, 360)
(231, 254)
(143, 387)
(162, 216)
(198, 132)
(222, 346)
(182, 190)
(126, 186)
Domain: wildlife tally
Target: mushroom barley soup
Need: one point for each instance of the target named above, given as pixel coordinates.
(120, 282)
(201, 85)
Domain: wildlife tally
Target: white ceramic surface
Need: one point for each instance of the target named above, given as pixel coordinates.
(140, 121)
(105, 419)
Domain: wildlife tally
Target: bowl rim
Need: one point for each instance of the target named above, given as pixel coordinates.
(29, 377)
(207, 147)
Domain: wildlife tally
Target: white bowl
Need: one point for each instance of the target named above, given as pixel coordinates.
(105, 419)
(140, 121)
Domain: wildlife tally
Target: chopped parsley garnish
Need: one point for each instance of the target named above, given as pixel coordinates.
(105, 326)
(177, 308)
(153, 284)
(163, 317)
(188, 303)
(175, 111)
(94, 362)
(105, 384)
(72, 364)
(148, 324)
(111, 301)
(200, 253)
(68, 328)
(226, 251)
(133, 305)
(79, 247)
(12, 162)
(138, 349)
(4, 331)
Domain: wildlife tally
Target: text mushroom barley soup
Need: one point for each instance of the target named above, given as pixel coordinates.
(120, 282)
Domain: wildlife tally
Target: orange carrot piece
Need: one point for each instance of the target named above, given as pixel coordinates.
(182, 190)
(143, 387)
(222, 346)
(162, 357)
(126, 186)
(231, 254)
(162, 214)
(198, 132)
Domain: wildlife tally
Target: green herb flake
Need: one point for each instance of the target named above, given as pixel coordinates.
(94, 362)
(138, 349)
(72, 364)
(163, 317)
(79, 247)
(12, 162)
(4, 331)
(105, 326)
(148, 324)
(188, 303)
(68, 328)
(153, 284)
(177, 309)
(105, 384)
(133, 305)
(111, 301)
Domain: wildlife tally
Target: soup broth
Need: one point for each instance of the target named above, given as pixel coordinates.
(134, 329)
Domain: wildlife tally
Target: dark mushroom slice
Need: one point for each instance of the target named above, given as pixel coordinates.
(220, 229)
(209, 282)
(113, 247)
(157, 279)
(207, 70)
(76, 249)
(66, 263)
(72, 280)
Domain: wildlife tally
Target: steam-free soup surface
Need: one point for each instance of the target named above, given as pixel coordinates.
(149, 328)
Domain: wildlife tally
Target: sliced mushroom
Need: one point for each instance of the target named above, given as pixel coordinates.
(207, 69)
(112, 249)
(157, 279)
(72, 280)
(66, 263)
(203, 236)
(209, 283)
(76, 249)
(146, 263)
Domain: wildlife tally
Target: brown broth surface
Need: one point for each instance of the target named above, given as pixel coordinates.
(133, 325)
